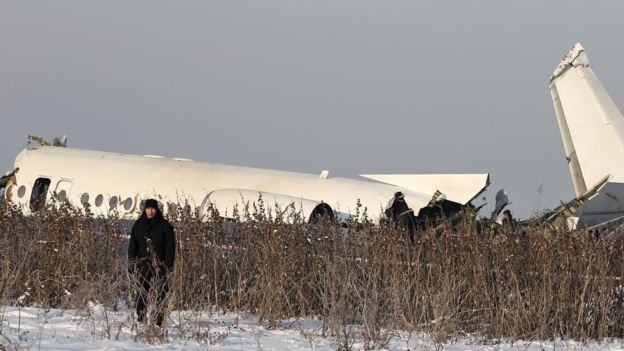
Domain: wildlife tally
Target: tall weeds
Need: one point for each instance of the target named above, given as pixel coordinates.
(362, 280)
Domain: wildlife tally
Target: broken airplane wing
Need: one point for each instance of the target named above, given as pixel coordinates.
(460, 188)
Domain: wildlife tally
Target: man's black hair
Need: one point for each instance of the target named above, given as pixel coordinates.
(151, 203)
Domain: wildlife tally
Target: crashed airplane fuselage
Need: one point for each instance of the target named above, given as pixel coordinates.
(107, 182)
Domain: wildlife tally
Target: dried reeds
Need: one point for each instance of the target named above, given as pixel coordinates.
(362, 280)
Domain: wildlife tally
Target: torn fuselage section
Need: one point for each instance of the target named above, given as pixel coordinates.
(322, 212)
(7, 181)
(34, 141)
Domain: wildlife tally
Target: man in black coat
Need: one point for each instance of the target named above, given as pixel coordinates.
(151, 253)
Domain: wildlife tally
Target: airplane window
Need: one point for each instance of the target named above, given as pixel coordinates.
(128, 204)
(21, 191)
(61, 196)
(113, 202)
(142, 205)
(39, 193)
(98, 200)
(84, 199)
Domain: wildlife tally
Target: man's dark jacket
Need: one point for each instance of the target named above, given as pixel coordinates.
(152, 238)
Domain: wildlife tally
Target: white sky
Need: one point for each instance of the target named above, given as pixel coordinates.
(350, 86)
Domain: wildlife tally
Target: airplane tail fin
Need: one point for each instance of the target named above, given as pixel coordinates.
(591, 125)
(502, 200)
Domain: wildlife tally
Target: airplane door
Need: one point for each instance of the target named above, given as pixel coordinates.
(63, 190)
(39, 193)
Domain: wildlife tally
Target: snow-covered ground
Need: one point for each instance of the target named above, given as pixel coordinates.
(97, 329)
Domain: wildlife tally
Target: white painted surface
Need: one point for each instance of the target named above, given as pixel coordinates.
(132, 178)
(592, 130)
(460, 188)
(595, 123)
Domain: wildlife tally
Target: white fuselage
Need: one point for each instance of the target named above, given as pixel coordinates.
(119, 182)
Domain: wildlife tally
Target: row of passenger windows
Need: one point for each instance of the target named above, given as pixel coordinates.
(113, 202)
(40, 190)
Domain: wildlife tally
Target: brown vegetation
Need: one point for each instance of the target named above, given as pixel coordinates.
(362, 281)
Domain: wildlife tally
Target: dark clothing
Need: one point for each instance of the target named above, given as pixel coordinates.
(151, 203)
(402, 216)
(148, 280)
(152, 239)
(151, 254)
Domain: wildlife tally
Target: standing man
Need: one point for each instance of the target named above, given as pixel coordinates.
(509, 223)
(151, 253)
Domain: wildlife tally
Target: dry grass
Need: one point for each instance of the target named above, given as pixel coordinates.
(363, 281)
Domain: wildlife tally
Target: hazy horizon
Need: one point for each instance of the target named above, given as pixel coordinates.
(353, 87)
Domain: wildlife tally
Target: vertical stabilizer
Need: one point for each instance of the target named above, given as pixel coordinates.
(591, 125)
(573, 163)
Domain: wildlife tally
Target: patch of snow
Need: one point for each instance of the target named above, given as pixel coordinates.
(99, 329)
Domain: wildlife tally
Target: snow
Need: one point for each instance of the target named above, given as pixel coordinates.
(98, 329)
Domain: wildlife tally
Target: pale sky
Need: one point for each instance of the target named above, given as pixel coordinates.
(351, 86)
